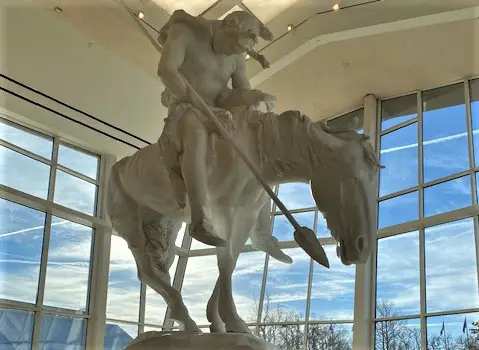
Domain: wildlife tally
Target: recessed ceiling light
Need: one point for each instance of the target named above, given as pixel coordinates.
(336, 7)
(290, 27)
(247, 57)
(141, 15)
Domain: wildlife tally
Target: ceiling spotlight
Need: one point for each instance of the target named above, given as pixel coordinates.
(336, 7)
(290, 27)
(58, 9)
(141, 15)
(247, 57)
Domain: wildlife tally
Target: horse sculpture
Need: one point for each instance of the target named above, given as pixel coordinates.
(340, 165)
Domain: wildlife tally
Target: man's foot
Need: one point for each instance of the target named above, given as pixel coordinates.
(270, 246)
(203, 231)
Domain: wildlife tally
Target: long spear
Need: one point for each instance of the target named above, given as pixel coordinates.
(304, 236)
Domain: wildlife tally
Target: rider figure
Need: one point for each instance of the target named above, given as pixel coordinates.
(208, 54)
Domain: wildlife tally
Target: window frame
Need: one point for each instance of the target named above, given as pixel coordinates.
(101, 231)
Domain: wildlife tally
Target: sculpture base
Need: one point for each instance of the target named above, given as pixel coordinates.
(195, 341)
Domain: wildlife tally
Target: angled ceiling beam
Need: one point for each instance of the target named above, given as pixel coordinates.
(394, 26)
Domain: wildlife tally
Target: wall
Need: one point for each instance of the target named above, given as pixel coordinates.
(41, 51)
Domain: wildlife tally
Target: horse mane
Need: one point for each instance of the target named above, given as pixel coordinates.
(275, 148)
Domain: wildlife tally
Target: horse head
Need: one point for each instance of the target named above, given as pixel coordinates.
(344, 189)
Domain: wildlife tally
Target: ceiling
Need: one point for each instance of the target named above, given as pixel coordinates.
(335, 77)
(330, 60)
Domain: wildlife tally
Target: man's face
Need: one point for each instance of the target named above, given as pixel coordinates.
(237, 43)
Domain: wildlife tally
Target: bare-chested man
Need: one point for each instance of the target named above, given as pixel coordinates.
(209, 54)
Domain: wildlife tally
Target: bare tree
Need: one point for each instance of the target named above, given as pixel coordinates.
(280, 326)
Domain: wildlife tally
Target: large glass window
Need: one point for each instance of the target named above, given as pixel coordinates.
(426, 268)
(46, 259)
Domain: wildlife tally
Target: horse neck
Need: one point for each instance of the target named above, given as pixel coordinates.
(287, 151)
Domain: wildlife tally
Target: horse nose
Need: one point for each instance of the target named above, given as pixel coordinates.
(360, 244)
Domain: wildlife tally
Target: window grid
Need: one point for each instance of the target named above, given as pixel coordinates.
(51, 209)
(424, 222)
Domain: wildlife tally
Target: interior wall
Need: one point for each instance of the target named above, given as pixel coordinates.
(40, 50)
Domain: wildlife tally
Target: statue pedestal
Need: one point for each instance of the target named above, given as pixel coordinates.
(195, 341)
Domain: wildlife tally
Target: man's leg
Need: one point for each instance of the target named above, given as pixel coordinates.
(194, 170)
(262, 237)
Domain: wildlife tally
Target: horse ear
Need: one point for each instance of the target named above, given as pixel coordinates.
(265, 33)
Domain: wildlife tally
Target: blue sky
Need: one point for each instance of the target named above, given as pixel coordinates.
(451, 276)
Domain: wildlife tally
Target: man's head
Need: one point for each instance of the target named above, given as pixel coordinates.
(241, 32)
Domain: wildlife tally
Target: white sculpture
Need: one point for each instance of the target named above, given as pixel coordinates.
(194, 175)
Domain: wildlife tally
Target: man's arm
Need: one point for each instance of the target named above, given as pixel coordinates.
(239, 79)
(172, 59)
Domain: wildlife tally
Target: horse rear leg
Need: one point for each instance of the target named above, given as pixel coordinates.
(159, 281)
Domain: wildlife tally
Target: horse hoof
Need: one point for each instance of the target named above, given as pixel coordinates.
(217, 328)
(238, 327)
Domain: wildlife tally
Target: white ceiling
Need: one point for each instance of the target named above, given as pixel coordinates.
(327, 64)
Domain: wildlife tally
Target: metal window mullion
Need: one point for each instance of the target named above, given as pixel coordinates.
(265, 269)
(310, 286)
(77, 174)
(25, 152)
(141, 316)
(422, 248)
(179, 274)
(99, 262)
(41, 282)
(398, 126)
(45, 247)
(470, 130)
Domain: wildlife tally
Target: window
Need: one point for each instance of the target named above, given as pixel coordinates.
(426, 262)
(46, 250)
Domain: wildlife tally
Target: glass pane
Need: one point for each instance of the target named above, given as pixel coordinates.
(61, 332)
(453, 332)
(286, 288)
(247, 279)
(475, 117)
(284, 231)
(451, 276)
(348, 120)
(84, 163)
(399, 210)
(68, 268)
(398, 275)
(398, 110)
(399, 156)
(181, 235)
(447, 196)
(296, 195)
(200, 279)
(285, 336)
(333, 336)
(155, 305)
(118, 335)
(28, 140)
(21, 239)
(398, 334)
(322, 229)
(332, 290)
(123, 299)
(16, 329)
(152, 329)
(24, 173)
(444, 132)
(75, 193)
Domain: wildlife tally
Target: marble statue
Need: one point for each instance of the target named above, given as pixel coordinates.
(194, 175)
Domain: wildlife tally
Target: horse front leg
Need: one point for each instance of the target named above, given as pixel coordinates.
(212, 311)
